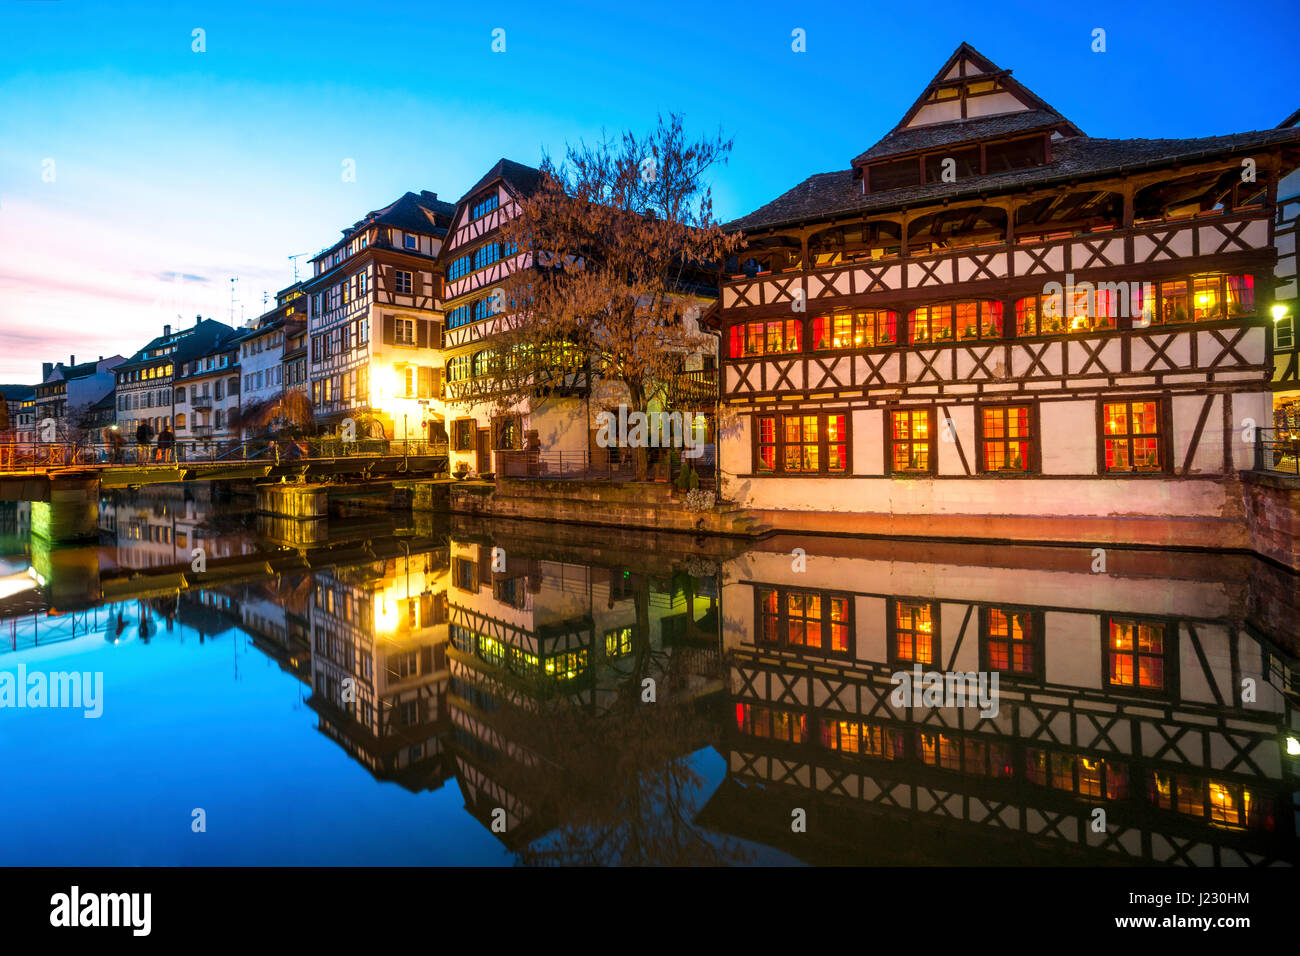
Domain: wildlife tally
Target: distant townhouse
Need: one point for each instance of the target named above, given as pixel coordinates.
(67, 392)
(375, 320)
(294, 359)
(145, 383)
(261, 348)
(25, 422)
(16, 397)
(207, 390)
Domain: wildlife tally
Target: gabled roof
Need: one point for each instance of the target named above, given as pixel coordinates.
(67, 373)
(925, 126)
(522, 179)
(838, 193)
(410, 212)
(204, 336)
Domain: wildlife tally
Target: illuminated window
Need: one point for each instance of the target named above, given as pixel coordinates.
(566, 666)
(804, 444)
(618, 642)
(1091, 777)
(774, 337)
(938, 750)
(1006, 438)
(957, 321)
(1132, 436)
(1136, 654)
(1012, 640)
(862, 738)
(862, 330)
(803, 620)
(911, 438)
(771, 723)
(915, 633)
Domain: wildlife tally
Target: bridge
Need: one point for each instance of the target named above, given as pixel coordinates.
(64, 479)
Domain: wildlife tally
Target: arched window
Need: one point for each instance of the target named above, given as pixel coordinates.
(482, 360)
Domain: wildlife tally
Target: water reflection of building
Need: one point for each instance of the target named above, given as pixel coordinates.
(379, 665)
(1145, 692)
(161, 525)
(541, 641)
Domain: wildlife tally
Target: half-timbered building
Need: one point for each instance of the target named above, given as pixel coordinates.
(558, 422)
(994, 324)
(375, 320)
(1286, 302)
(1156, 697)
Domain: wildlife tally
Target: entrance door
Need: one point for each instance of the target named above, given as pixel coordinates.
(484, 463)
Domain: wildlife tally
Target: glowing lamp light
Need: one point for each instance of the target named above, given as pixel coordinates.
(1279, 312)
(1292, 747)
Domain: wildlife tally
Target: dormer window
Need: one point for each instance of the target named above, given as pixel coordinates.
(410, 241)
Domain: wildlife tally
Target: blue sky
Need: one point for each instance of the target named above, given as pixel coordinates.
(170, 163)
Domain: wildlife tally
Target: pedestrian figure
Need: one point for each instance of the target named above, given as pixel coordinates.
(143, 436)
(166, 441)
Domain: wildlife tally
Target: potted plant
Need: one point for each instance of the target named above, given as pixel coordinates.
(462, 470)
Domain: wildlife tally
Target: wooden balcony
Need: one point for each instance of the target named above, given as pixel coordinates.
(695, 389)
(1155, 245)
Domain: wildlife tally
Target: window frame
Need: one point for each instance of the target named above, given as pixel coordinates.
(891, 633)
(933, 453)
(783, 644)
(823, 444)
(1170, 652)
(1037, 642)
(1033, 464)
(398, 283)
(1164, 431)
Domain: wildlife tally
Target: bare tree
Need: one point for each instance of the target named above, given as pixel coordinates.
(616, 247)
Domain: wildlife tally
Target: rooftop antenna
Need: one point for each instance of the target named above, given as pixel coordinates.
(294, 260)
(233, 284)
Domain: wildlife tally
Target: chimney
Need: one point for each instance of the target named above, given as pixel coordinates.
(167, 330)
(198, 319)
(72, 360)
(47, 369)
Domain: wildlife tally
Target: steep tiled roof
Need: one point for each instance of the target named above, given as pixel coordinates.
(900, 141)
(838, 193)
(523, 179)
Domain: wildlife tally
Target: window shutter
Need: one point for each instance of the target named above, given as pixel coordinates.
(425, 382)
(426, 653)
(436, 383)
(422, 333)
(390, 330)
(417, 282)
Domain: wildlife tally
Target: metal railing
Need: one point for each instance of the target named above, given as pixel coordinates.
(1277, 451)
(42, 456)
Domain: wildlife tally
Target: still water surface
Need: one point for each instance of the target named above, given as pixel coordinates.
(394, 692)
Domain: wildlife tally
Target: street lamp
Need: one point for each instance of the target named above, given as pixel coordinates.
(1279, 312)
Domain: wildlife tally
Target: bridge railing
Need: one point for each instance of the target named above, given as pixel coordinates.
(42, 456)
